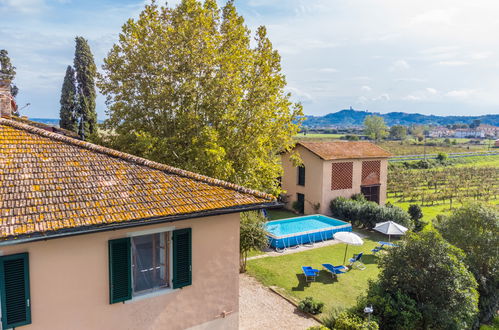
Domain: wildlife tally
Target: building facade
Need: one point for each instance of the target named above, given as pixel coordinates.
(334, 169)
(92, 238)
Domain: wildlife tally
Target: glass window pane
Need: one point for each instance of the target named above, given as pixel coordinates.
(150, 262)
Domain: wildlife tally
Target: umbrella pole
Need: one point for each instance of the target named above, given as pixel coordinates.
(389, 238)
(345, 257)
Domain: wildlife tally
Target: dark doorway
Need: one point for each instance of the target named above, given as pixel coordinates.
(301, 203)
(371, 193)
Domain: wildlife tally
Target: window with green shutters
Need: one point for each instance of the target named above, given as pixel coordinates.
(120, 276)
(141, 264)
(14, 290)
(182, 258)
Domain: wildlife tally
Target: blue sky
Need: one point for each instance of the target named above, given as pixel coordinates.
(428, 56)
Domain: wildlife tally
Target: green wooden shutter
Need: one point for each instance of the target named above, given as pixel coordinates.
(182, 258)
(120, 270)
(14, 288)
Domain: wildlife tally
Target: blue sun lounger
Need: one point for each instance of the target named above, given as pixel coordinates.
(310, 273)
(335, 270)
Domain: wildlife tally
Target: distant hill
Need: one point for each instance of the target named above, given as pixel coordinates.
(356, 118)
(52, 121)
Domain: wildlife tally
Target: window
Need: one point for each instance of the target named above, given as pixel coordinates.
(14, 290)
(371, 193)
(301, 175)
(148, 263)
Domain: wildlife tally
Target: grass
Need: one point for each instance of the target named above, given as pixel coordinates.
(285, 273)
(281, 214)
(493, 326)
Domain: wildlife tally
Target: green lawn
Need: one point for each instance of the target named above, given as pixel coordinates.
(285, 272)
(281, 214)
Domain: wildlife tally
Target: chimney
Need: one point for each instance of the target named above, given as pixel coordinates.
(6, 99)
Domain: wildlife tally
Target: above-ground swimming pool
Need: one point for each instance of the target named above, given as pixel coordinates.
(307, 229)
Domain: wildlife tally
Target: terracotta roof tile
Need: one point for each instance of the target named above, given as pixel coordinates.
(50, 182)
(345, 150)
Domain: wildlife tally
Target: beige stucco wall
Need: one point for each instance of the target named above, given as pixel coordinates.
(317, 187)
(313, 179)
(70, 287)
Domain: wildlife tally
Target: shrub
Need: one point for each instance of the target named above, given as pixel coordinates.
(350, 321)
(359, 197)
(423, 284)
(253, 235)
(310, 305)
(318, 327)
(475, 229)
(368, 214)
(297, 206)
(442, 157)
(416, 215)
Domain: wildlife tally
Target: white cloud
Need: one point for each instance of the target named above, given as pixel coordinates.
(22, 6)
(328, 70)
(382, 97)
(453, 63)
(400, 65)
(366, 88)
(432, 91)
(411, 98)
(461, 94)
(299, 95)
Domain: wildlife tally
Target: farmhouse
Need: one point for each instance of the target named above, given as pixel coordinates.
(92, 238)
(334, 169)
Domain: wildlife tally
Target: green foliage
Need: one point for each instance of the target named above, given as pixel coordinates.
(474, 228)
(253, 236)
(310, 305)
(368, 214)
(442, 157)
(86, 72)
(208, 100)
(359, 197)
(349, 321)
(8, 72)
(318, 327)
(416, 215)
(68, 113)
(398, 132)
(423, 284)
(375, 127)
(297, 206)
(394, 310)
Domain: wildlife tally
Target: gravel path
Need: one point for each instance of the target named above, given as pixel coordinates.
(260, 308)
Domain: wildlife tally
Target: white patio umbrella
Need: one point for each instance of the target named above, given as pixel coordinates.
(390, 228)
(349, 238)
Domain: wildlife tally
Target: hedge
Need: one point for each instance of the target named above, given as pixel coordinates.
(368, 214)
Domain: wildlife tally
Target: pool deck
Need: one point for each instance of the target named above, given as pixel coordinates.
(269, 252)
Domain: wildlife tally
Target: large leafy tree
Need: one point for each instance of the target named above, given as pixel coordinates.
(474, 228)
(423, 284)
(185, 86)
(86, 72)
(375, 127)
(8, 72)
(68, 113)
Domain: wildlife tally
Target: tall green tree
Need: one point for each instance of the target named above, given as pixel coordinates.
(474, 228)
(423, 284)
(186, 87)
(398, 132)
(253, 236)
(69, 107)
(375, 127)
(86, 72)
(8, 72)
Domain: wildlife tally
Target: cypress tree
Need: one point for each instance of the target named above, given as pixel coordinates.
(68, 115)
(8, 72)
(86, 70)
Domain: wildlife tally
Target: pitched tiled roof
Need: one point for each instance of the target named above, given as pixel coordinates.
(345, 150)
(51, 183)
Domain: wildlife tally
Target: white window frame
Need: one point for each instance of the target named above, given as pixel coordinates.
(162, 291)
